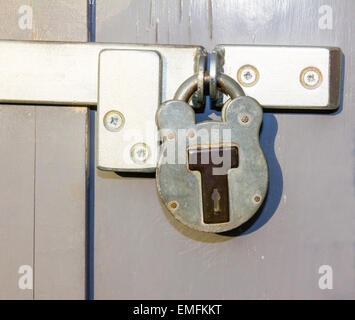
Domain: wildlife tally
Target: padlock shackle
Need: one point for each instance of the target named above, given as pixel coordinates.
(225, 84)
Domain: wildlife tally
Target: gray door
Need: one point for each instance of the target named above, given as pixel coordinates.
(302, 243)
(300, 246)
(43, 159)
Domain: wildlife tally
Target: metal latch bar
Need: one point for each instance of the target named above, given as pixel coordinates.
(281, 77)
(129, 81)
(286, 77)
(66, 73)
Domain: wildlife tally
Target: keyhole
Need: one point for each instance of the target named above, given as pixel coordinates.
(216, 197)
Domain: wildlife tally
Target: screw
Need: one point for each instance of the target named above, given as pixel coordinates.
(248, 75)
(173, 205)
(113, 120)
(311, 78)
(257, 198)
(140, 153)
(244, 118)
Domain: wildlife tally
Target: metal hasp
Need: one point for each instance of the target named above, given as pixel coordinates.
(286, 77)
(129, 81)
(131, 85)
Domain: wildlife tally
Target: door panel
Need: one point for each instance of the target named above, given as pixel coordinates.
(306, 225)
(60, 202)
(44, 162)
(17, 161)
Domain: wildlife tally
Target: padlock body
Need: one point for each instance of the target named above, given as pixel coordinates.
(212, 176)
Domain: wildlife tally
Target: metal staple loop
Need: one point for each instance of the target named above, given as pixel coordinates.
(201, 80)
(225, 84)
(213, 75)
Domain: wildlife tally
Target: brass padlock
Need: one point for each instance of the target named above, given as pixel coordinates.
(212, 176)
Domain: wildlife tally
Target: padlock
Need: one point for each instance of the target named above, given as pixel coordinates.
(213, 175)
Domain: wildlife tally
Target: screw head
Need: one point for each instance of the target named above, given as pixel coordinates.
(311, 78)
(248, 75)
(114, 120)
(173, 205)
(244, 118)
(257, 198)
(140, 153)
